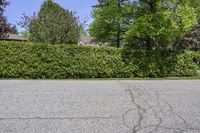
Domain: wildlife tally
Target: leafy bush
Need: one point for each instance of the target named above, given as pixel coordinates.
(185, 65)
(196, 57)
(45, 61)
(162, 63)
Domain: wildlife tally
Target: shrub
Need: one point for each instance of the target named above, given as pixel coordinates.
(45, 61)
(185, 65)
(196, 57)
(161, 63)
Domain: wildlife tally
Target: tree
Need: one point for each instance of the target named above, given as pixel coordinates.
(25, 34)
(83, 26)
(196, 5)
(190, 40)
(5, 27)
(83, 31)
(159, 23)
(111, 19)
(3, 4)
(53, 24)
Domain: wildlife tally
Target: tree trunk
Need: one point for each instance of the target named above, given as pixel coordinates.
(118, 38)
(149, 44)
(118, 27)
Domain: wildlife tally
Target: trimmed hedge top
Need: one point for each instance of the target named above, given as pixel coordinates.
(45, 61)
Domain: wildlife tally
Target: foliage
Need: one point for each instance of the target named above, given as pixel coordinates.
(53, 25)
(111, 19)
(185, 65)
(196, 57)
(162, 63)
(83, 31)
(143, 24)
(159, 23)
(25, 34)
(44, 61)
(151, 64)
(191, 40)
(3, 4)
(196, 5)
(5, 27)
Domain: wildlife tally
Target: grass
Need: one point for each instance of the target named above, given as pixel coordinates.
(197, 77)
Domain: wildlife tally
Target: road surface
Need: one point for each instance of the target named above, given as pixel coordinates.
(165, 106)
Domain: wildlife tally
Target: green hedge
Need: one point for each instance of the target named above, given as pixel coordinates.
(162, 63)
(45, 61)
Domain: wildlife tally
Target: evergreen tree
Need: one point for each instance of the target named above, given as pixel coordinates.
(111, 19)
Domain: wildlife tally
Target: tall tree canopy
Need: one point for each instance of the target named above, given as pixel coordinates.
(159, 23)
(196, 5)
(111, 19)
(5, 27)
(143, 24)
(53, 24)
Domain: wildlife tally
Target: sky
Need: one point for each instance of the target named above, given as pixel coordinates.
(16, 9)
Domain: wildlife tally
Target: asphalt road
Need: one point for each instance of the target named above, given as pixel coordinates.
(164, 106)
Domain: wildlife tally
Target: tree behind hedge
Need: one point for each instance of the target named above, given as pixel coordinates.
(5, 27)
(190, 40)
(159, 23)
(111, 19)
(195, 4)
(53, 25)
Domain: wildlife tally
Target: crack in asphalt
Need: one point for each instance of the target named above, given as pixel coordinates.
(60, 118)
(152, 118)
